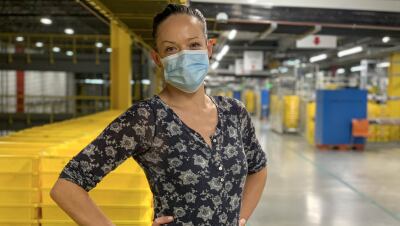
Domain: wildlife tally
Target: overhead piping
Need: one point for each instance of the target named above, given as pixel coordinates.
(267, 32)
(332, 25)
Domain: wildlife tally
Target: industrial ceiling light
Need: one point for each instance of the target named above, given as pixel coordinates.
(340, 71)
(56, 49)
(232, 34)
(224, 50)
(357, 68)
(222, 17)
(283, 70)
(146, 81)
(46, 21)
(39, 44)
(19, 39)
(215, 65)
(383, 64)
(274, 71)
(386, 39)
(69, 53)
(99, 44)
(69, 31)
(350, 51)
(109, 50)
(318, 58)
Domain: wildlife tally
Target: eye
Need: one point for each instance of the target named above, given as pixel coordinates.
(195, 45)
(169, 49)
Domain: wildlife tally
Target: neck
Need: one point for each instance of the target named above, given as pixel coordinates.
(178, 98)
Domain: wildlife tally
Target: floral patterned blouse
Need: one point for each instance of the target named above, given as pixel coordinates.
(196, 183)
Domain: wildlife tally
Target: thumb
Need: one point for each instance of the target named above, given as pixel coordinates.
(242, 222)
(162, 220)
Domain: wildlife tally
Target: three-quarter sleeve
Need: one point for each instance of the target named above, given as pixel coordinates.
(256, 157)
(130, 134)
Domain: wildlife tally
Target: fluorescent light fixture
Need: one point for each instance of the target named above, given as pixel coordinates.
(39, 44)
(274, 71)
(350, 51)
(283, 70)
(383, 64)
(215, 65)
(146, 81)
(357, 68)
(69, 53)
(19, 39)
(340, 71)
(318, 58)
(253, 17)
(46, 21)
(69, 31)
(94, 81)
(99, 44)
(56, 49)
(109, 50)
(386, 39)
(224, 50)
(232, 34)
(294, 62)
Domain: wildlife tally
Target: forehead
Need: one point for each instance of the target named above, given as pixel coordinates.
(179, 27)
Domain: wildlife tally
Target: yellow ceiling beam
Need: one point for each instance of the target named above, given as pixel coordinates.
(100, 7)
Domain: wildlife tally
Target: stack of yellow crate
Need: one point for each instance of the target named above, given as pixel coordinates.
(123, 195)
(383, 133)
(310, 122)
(19, 195)
(250, 101)
(291, 112)
(372, 109)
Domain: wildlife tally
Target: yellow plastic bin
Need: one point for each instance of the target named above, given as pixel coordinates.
(19, 195)
(10, 212)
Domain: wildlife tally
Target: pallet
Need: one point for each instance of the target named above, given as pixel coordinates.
(341, 147)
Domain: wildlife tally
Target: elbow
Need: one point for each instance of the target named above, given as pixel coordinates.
(55, 191)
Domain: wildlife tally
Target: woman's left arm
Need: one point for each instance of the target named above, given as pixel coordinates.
(253, 189)
(256, 165)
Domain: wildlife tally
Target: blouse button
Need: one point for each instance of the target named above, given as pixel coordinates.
(222, 179)
(215, 140)
(220, 168)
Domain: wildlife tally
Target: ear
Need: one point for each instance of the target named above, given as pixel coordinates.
(210, 45)
(156, 58)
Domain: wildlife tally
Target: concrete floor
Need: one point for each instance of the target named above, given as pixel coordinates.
(309, 187)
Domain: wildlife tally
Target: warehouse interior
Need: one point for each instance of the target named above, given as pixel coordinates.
(320, 79)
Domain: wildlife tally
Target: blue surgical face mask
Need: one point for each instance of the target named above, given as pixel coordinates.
(186, 70)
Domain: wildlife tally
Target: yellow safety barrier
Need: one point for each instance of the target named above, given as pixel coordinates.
(31, 161)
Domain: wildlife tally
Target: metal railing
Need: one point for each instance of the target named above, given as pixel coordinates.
(47, 104)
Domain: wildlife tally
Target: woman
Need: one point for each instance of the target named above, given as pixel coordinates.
(199, 153)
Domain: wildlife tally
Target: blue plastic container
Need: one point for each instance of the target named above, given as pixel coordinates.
(237, 95)
(335, 111)
(265, 103)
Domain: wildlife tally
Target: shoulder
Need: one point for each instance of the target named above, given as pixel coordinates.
(143, 109)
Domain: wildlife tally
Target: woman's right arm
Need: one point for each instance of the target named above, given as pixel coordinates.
(129, 134)
(76, 202)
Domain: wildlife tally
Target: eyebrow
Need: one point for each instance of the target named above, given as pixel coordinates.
(175, 43)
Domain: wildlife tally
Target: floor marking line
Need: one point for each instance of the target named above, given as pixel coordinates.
(351, 187)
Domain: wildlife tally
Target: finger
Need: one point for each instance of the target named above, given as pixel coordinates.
(242, 222)
(162, 220)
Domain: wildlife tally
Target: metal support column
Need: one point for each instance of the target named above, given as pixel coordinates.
(120, 68)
